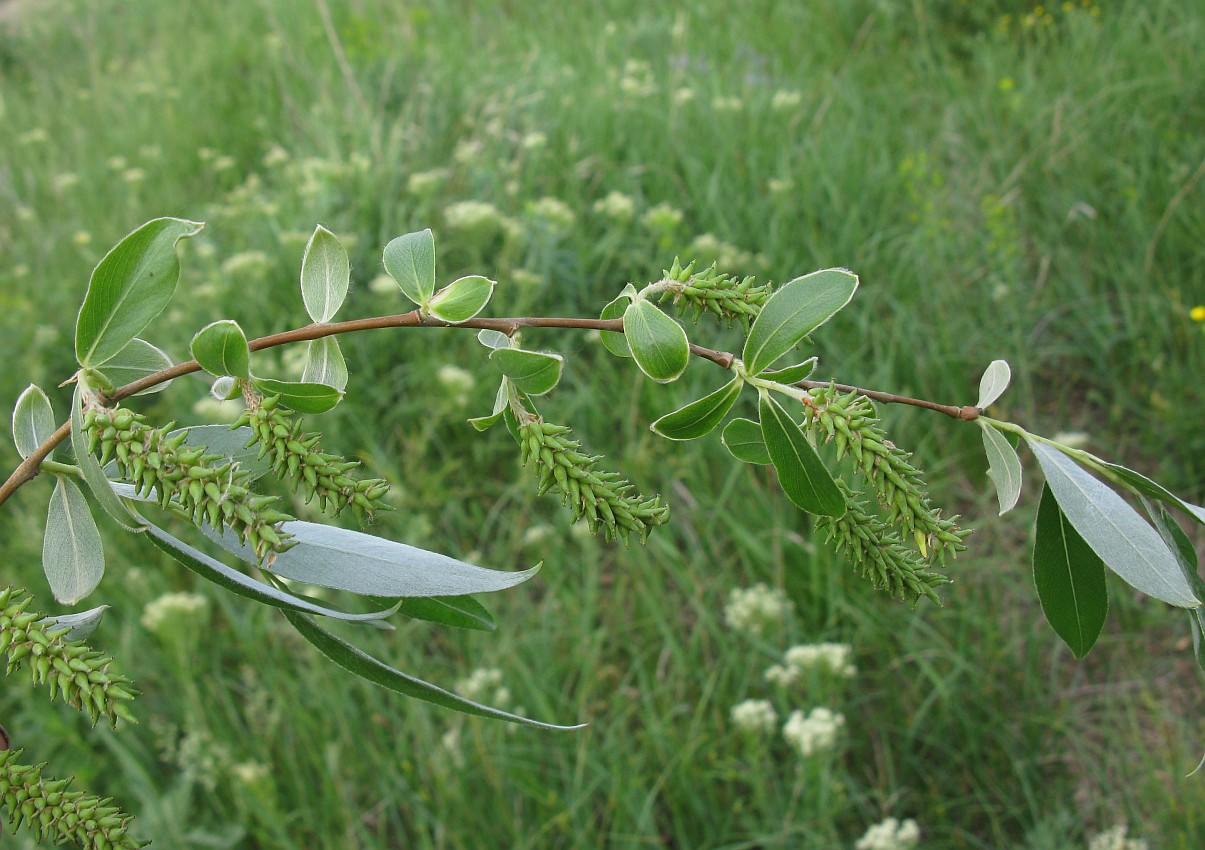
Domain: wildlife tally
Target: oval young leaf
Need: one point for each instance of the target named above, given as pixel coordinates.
(744, 441)
(461, 299)
(79, 626)
(616, 343)
(370, 669)
(410, 260)
(792, 374)
(33, 420)
(803, 476)
(994, 382)
(325, 275)
(301, 397)
(1070, 578)
(793, 312)
(699, 417)
(324, 364)
(1003, 467)
(493, 339)
(134, 362)
(129, 288)
(221, 350)
(658, 343)
(72, 555)
(361, 563)
(532, 372)
(1114, 530)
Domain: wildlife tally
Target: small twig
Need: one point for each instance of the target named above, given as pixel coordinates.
(29, 468)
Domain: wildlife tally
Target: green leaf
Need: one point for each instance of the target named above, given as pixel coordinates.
(699, 417)
(221, 349)
(129, 288)
(90, 468)
(72, 555)
(1114, 530)
(658, 343)
(325, 275)
(793, 312)
(79, 626)
(1196, 619)
(301, 397)
(803, 476)
(343, 559)
(1152, 489)
(493, 339)
(461, 299)
(379, 673)
(616, 343)
(1003, 467)
(501, 401)
(994, 382)
(532, 372)
(1070, 578)
(134, 362)
(324, 364)
(460, 612)
(243, 585)
(1177, 541)
(793, 374)
(410, 260)
(743, 439)
(33, 420)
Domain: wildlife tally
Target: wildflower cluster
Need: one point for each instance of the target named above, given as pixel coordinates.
(320, 475)
(72, 670)
(815, 732)
(799, 660)
(53, 812)
(605, 499)
(188, 480)
(877, 553)
(1117, 838)
(754, 716)
(891, 834)
(165, 613)
(711, 291)
(753, 609)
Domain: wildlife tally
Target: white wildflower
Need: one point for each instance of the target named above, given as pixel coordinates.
(133, 175)
(830, 656)
(1117, 839)
(556, 215)
(534, 141)
(81, 238)
(813, 733)
(425, 183)
(171, 610)
(472, 216)
(209, 409)
(455, 380)
(1072, 439)
(891, 834)
(383, 284)
(662, 219)
(63, 182)
(785, 100)
(617, 206)
(249, 773)
(250, 263)
(755, 716)
(537, 534)
(484, 685)
(275, 156)
(752, 609)
(727, 104)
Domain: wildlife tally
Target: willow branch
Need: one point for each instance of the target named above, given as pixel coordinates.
(29, 468)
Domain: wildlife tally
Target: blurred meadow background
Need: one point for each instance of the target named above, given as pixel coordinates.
(1009, 180)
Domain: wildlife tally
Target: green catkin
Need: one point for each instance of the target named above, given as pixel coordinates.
(727, 298)
(877, 553)
(73, 672)
(54, 812)
(297, 455)
(849, 421)
(200, 487)
(605, 499)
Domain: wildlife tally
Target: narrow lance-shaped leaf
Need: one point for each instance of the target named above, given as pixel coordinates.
(700, 417)
(532, 372)
(72, 555)
(744, 441)
(658, 343)
(994, 382)
(1003, 467)
(803, 476)
(461, 299)
(1152, 489)
(410, 260)
(325, 275)
(221, 349)
(33, 420)
(460, 612)
(301, 397)
(324, 364)
(1114, 530)
(1179, 544)
(134, 362)
(793, 312)
(1070, 578)
(129, 287)
(379, 673)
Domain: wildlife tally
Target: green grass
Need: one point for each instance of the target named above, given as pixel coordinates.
(1022, 192)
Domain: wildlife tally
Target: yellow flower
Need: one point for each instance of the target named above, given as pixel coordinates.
(1197, 314)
